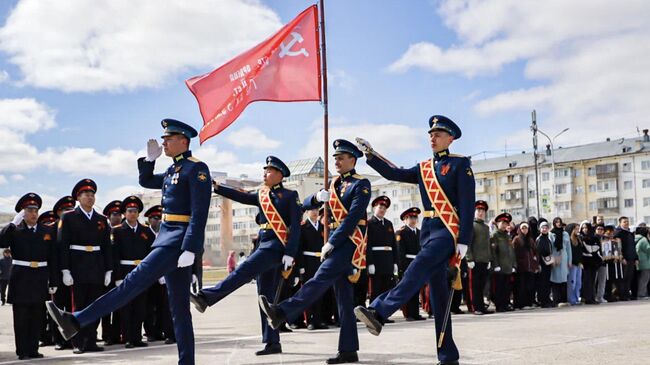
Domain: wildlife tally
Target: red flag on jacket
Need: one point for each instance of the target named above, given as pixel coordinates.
(285, 67)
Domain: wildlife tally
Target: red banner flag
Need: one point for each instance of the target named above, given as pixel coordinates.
(285, 67)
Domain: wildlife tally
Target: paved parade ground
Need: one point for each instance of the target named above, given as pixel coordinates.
(615, 333)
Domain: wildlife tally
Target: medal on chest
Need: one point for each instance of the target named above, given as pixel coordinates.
(344, 186)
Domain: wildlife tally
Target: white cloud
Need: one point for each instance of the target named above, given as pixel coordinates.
(124, 44)
(3, 180)
(340, 78)
(584, 56)
(87, 161)
(4, 76)
(8, 203)
(387, 138)
(226, 161)
(250, 137)
(17, 177)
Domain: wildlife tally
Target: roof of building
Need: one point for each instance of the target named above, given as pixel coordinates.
(589, 151)
(305, 166)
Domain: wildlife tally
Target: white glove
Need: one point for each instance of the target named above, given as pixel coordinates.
(18, 218)
(471, 264)
(497, 269)
(395, 270)
(186, 259)
(363, 145)
(161, 281)
(302, 270)
(153, 150)
(67, 278)
(371, 269)
(325, 251)
(461, 249)
(287, 261)
(323, 196)
(118, 282)
(52, 290)
(514, 270)
(107, 278)
(489, 265)
(296, 281)
(195, 279)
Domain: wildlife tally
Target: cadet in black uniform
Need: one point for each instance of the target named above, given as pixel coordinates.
(381, 254)
(131, 244)
(311, 243)
(158, 322)
(86, 260)
(62, 296)
(111, 324)
(33, 274)
(47, 218)
(408, 246)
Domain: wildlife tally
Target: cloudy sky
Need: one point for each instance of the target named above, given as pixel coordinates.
(84, 84)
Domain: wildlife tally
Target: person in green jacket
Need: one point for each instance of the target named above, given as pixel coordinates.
(643, 250)
(504, 263)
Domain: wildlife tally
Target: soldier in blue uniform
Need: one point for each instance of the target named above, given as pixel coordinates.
(354, 193)
(33, 275)
(185, 199)
(271, 251)
(456, 179)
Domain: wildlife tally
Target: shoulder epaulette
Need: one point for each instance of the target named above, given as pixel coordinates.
(193, 159)
(456, 155)
(357, 176)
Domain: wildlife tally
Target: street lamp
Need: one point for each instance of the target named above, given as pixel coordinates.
(550, 141)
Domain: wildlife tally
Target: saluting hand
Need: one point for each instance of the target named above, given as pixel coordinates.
(363, 145)
(18, 218)
(153, 150)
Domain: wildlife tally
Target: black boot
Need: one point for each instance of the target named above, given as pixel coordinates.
(270, 349)
(273, 314)
(67, 323)
(452, 362)
(199, 302)
(343, 357)
(370, 318)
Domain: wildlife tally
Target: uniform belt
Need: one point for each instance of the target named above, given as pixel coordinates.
(32, 264)
(130, 262)
(88, 248)
(409, 256)
(362, 223)
(430, 214)
(266, 226)
(382, 248)
(311, 253)
(183, 218)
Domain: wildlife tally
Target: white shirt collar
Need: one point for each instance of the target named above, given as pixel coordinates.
(132, 227)
(88, 214)
(315, 224)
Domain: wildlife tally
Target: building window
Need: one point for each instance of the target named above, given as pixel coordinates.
(628, 203)
(531, 193)
(488, 182)
(592, 205)
(560, 189)
(502, 197)
(607, 203)
(577, 173)
(645, 165)
(546, 192)
(562, 172)
(580, 189)
(646, 183)
(646, 202)
(563, 206)
(592, 188)
(546, 176)
(591, 171)
(627, 167)
(610, 185)
(627, 185)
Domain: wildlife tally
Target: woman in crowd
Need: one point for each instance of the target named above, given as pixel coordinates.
(591, 261)
(544, 246)
(575, 272)
(561, 261)
(643, 250)
(527, 266)
(601, 272)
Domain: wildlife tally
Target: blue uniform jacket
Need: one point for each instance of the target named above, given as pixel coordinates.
(186, 189)
(454, 173)
(354, 191)
(285, 201)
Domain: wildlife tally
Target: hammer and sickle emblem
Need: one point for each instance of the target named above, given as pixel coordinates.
(286, 50)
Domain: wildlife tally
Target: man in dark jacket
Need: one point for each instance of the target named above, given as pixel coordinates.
(630, 257)
(5, 272)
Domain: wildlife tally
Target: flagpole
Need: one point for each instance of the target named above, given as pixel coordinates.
(323, 56)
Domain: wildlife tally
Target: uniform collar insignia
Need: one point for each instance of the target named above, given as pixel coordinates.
(441, 154)
(348, 174)
(276, 186)
(183, 155)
